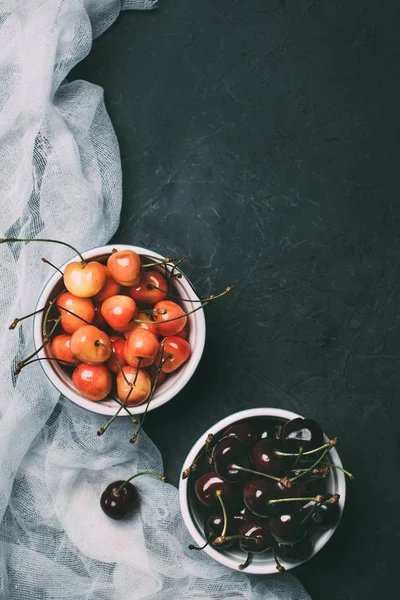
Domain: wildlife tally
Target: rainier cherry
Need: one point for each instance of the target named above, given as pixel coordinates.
(141, 348)
(148, 324)
(110, 288)
(124, 267)
(118, 312)
(172, 311)
(61, 349)
(83, 307)
(137, 393)
(146, 292)
(92, 381)
(91, 345)
(84, 280)
(118, 345)
(179, 351)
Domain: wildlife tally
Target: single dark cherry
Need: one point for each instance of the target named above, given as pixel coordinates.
(208, 484)
(265, 459)
(293, 553)
(118, 506)
(255, 537)
(243, 431)
(324, 516)
(301, 433)
(230, 451)
(213, 527)
(287, 528)
(256, 494)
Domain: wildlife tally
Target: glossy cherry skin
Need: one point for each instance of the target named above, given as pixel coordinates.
(84, 281)
(179, 351)
(119, 311)
(265, 459)
(148, 324)
(145, 292)
(173, 311)
(267, 429)
(324, 516)
(118, 345)
(110, 288)
(230, 451)
(243, 431)
(301, 433)
(84, 345)
(293, 553)
(213, 527)
(287, 528)
(61, 349)
(92, 381)
(256, 493)
(140, 392)
(141, 348)
(254, 529)
(208, 484)
(83, 307)
(118, 507)
(124, 266)
(184, 333)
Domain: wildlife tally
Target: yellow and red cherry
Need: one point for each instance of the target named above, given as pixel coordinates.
(169, 310)
(152, 371)
(148, 324)
(84, 280)
(110, 288)
(139, 392)
(118, 346)
(92, 381)
(151, 289)
(82, 307)
(90, 345)
(141, 348)
(61, 349)
(176, 351)
(124, 266)
(118, 311)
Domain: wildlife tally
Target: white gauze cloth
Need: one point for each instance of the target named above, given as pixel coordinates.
(60, 177)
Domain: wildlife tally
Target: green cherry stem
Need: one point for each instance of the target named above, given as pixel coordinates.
(328, 464)
(25, 363)
(278, 565)
(296, 460)
(19, 319)
(46, 340)
(218, 493)
(73, 314)
(47, 262)
(107, 425)
(160, 477)
(239, 468)
(312, 466)
(164, 261)
(193, 547)
(99, 343)
(13, 240)
(278, 500)
(328, 445)
(126, 409)
(221, 540)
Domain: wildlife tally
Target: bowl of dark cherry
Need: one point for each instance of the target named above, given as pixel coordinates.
(263, 490)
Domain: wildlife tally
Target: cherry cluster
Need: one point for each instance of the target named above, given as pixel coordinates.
(261, 485)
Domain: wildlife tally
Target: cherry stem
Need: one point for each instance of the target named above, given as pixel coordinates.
(134, 438)
(126, 409)
(222, 503)
(73, 314)
(193, 466)
(328, 445)
(314, 498)
(278, 565)
(296, 460)
(151, 286)
(239, 468)
(18, 319)
(349, 475)
(99, 343)
(12, 240)
(25, 363)
(160, 477)
(46, 340)
(180, 261)
(47, 262)
(164, 261)
(228, 289)
(47, 314)
(139, 360)
(193, 547)
(312, 466)
(105, 427)
(246, 562)
(221, 540)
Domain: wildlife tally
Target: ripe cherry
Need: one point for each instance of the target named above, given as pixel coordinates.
(118, 311)
(228, 453)
(255, 537)
(92, 381)
(184, 333)
(243, 431)
(256, 493)
(287, 528)
(265, 459)
(208, 484)
(120, 498)
(61, 349)
(110, 288)
(98, 319)
(151, 289)
(124, 266)
(147, 324)
(141, 348)
(152, 371)
(90, 345)
(177, 351)
(140, 392)
(325, 514)
(213, 528)
(293, 553)
(172, 311)
(118, 345)
(83, 307)
(84, 280)
(301, 433)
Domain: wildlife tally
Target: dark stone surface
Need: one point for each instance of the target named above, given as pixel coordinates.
(261, 138)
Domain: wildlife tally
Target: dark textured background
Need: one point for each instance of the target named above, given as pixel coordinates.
(261, 138)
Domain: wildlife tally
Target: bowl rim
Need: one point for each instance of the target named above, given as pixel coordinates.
(225, 557)
(162, 396)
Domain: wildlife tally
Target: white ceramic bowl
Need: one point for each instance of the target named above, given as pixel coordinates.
(174, 382)
(261, 564)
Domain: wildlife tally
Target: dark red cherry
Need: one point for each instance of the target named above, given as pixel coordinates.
(293, 553)
(267, 429)
(255, 537)
(324, 516)
(287, 528)
(208, 484)
(301, 433)
(230, 451)
(265, 459)
(118, 506)
(279, 490)
(256, 494)
(243, 431)
(213, 527)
